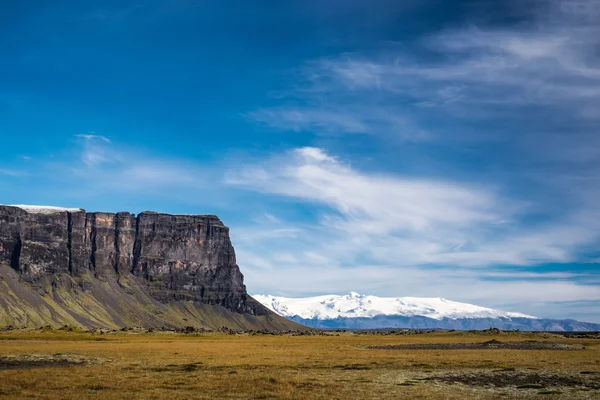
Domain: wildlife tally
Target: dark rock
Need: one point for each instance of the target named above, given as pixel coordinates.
(79, 246)
(35, 244)
(189, 257)
(177, 257)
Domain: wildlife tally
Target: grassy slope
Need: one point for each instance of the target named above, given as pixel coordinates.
(176, 366)
(106, 303)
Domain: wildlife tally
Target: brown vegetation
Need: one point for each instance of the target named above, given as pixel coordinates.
(339, 365)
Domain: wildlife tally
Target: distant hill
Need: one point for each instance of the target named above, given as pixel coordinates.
(356, 311)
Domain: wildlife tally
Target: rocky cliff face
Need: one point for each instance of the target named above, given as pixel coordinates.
(172, 257)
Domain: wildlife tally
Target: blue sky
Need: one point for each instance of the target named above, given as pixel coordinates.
(395, 148)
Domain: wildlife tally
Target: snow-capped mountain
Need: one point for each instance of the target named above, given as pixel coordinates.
(356, 311)
(354, 305)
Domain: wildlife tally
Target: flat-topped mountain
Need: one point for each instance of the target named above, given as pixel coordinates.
(66, 266)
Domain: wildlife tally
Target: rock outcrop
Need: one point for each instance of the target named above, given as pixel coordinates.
(157, 260)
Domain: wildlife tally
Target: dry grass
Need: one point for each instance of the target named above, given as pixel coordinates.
(177, 366)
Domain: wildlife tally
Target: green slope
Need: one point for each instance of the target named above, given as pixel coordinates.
(93, 302)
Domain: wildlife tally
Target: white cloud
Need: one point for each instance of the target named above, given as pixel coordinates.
(12, 172)
(475, 72)
(271, 218)
(298, 119)
(92, 136)
(394, 202)
(550, 61)
(394, 235)
(528, 95)
(426, 220)
(402, 221)
(340, 119)
(95, 165)
(96, 149)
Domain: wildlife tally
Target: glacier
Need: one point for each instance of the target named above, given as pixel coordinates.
(355, 305)
(357, 311)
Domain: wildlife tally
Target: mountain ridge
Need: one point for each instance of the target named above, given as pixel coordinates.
(355, 305)
(356, 311)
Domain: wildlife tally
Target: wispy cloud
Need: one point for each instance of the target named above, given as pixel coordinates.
(95, 170)
(415, 221)
(546, 66)
(92, 136)
(523, 95)
(12, 173)
(341, 119)
(395, 203)
(96, 150)
(391, 235)
(483, 68)
(123, 168)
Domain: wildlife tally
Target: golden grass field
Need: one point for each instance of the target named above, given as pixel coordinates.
(34, 364)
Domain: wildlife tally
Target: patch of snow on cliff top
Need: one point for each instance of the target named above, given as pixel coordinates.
(354, 305)
(44, 209)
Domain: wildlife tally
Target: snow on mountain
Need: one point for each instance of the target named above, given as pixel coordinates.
(354, 305)
(44, 209)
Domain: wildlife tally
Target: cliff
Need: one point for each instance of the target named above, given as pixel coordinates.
(97, 269)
